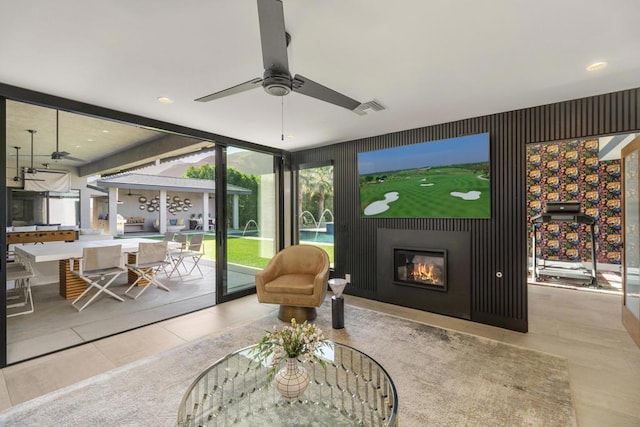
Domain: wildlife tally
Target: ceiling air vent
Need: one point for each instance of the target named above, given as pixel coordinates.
(372, 105)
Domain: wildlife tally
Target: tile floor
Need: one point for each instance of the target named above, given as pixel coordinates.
(584, 327)
(55, 324)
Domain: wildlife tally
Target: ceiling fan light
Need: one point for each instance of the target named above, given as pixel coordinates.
(276, 83)
(277, 89)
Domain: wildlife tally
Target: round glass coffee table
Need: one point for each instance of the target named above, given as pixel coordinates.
(351, 389)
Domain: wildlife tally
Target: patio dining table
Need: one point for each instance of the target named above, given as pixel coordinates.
(71, 285)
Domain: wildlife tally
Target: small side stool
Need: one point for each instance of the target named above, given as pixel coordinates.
(337, 302)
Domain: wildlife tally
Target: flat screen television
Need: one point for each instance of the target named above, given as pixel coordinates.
(447, 178)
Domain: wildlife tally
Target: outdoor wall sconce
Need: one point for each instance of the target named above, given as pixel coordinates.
(175, 204)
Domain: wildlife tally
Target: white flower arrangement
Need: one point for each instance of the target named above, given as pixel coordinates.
(295, 341)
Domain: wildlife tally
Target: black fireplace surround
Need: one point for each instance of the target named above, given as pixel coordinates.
(453, 298)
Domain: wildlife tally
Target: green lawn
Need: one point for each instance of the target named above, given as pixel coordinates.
(245, 251)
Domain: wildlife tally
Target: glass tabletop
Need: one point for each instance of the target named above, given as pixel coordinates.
(350, 389)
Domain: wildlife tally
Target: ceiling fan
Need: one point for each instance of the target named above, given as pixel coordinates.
(26, 170)
(17, 178)
(277, 79)
(61, 155)
(31, 169)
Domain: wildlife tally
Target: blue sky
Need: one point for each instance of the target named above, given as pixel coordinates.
(453, 151)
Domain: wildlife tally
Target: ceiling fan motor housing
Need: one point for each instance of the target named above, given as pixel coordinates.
(276, 83)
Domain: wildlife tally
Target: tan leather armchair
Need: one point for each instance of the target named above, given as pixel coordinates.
(296, 278)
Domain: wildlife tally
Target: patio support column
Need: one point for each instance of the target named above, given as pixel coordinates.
(205, 211)
(236, 213)
(162, 218)
(113, 211)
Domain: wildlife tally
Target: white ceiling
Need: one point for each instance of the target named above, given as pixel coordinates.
(427, 61)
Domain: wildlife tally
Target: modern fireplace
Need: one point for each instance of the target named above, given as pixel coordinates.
(422, 268)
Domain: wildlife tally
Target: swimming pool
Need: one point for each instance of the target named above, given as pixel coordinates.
(310, 236)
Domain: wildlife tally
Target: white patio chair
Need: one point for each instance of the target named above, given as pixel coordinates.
(194, 251)
(199, 224)
(176, 254)
(95, 266)
(150, 259)
(20, 272)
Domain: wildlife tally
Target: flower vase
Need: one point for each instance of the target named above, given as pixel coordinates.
(292, 380)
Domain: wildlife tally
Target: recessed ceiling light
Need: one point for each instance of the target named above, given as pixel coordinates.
(596, 66)
(105, 131)
(90, 140)
(165, 100)
(77, 146)
(290, 136)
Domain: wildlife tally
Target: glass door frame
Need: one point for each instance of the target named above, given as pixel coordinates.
(3, 237)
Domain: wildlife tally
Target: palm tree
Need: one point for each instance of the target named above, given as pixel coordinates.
(317, 181)
(304, 190)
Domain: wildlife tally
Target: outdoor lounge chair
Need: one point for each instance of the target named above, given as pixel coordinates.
(94, 267)
(21, 273)
(194, 251)
(149, 260)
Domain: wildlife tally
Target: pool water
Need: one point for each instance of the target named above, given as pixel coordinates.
(310, 236)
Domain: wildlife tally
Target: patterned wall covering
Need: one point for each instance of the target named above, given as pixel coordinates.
(572, 171)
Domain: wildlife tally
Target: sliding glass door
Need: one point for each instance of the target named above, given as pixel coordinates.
(251, 218)
(235, 205)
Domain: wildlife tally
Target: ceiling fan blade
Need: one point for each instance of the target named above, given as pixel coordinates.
(58, 155)
(64, 155)
(273, 35)
(308, 87)
(242, 87)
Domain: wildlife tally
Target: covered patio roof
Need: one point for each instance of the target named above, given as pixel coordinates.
(140, 181)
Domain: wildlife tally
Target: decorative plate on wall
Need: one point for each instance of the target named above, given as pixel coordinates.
(142, 199)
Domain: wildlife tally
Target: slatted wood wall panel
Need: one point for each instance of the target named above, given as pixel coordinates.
(498, 244)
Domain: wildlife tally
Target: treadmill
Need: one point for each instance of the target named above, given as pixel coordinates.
(565, 212)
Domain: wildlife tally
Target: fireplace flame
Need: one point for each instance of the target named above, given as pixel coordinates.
(424, 273)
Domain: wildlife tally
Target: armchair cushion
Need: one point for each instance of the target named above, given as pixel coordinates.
(301, 284)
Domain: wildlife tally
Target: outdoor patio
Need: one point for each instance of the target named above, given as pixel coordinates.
(55, 324)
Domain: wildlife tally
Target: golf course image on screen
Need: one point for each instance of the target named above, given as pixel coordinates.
(439, 179)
